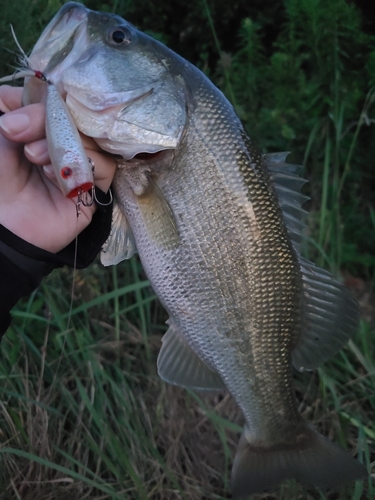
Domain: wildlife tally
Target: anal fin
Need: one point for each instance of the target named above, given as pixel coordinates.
(179, 365)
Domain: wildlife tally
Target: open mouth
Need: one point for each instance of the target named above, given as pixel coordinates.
(149, 156)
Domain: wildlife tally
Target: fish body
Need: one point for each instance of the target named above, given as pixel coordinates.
(217, 227)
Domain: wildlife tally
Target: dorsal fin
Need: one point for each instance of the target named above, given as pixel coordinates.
(330, 317)
(287, 184)
(329, 313)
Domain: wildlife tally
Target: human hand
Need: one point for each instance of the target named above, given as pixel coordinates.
(31, 203)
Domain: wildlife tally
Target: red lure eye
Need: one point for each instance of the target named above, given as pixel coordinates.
(66, 172)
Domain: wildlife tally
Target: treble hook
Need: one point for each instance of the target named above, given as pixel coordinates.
(85, 198)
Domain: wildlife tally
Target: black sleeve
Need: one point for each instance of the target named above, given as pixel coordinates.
(23, 265)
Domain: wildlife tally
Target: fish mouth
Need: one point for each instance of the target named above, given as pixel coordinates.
(72, 53)
(104, 118)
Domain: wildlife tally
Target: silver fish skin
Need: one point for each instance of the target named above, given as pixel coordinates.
(217, 226)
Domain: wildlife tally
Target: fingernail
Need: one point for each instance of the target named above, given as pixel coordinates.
(48, 170)
(35, 149)
(14, 123)
(3, 107)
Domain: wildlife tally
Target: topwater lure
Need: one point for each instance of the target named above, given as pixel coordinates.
(73, 169)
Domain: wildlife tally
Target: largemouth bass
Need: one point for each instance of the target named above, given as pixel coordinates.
(217, 226)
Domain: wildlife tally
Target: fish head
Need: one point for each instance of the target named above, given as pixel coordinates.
(122, 87)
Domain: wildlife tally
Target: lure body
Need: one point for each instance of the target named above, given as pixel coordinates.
(68, 157)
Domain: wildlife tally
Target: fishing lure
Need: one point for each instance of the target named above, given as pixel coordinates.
(73, 169)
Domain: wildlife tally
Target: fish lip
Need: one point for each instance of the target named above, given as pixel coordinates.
(71, 13)
(69, 23)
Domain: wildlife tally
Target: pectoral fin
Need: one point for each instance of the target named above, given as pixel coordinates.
(120, 244)
(179, 365)
(330, 317)
(158, 217)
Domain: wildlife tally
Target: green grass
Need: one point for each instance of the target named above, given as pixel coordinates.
(82, 409)
(83, 413)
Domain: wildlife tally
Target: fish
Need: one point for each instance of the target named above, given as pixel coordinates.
(218, 228)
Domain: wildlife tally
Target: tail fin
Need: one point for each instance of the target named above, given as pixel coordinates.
(315, 462)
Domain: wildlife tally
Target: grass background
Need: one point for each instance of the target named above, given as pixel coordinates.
(82, 411)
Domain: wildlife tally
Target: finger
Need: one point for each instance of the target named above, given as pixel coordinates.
(10, 98)
(60, 200)
(37, 152)
(73, 211)
(49, 172)
(11, 166)
(24, 125)
(105, 167)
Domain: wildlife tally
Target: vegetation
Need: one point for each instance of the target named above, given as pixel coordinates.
(82, 411)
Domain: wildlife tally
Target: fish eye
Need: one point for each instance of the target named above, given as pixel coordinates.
(120, 36)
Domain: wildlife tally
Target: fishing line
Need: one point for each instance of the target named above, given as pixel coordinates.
(74, 273)
(70, 310)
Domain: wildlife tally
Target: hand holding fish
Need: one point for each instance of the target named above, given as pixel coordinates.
(31, 203)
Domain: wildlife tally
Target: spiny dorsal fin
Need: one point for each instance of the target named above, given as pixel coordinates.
(179, 365)
(329, 313)
(287, 183)
(330, 317)
(120, 244)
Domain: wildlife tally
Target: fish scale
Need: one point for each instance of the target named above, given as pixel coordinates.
(194, 261)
